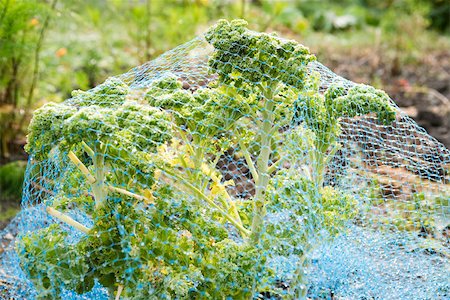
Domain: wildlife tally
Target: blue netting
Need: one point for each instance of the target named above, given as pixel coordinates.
(235, 166)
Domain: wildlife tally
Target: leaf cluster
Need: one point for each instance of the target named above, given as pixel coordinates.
(170, 249)
(204, 113)
(99, 116)
(245, 58)
(322, 113)
(299, 212)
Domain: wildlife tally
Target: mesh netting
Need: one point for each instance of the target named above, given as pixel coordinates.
(235, 166)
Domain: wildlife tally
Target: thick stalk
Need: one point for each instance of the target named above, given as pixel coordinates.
(88, 149)
(262, 164)
(91, 179)
(97, 181)
(98, 187)
(198, 153)
(300, 281)
(275, 166)
(128, 193)
(77, 162)
(320, 159)
(318, 168)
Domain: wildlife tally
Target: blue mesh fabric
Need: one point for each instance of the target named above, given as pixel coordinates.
(234, 166)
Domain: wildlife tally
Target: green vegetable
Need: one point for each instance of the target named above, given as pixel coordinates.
(268, 69)
(52, 263)
(165, 223)
(322, 113)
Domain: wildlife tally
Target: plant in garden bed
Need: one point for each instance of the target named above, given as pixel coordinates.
(165, 224)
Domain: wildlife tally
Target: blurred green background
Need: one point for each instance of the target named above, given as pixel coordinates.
(50, 47)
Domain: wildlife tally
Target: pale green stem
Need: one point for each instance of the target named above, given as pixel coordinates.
(185, 140)
(228, 201)
(262, 164)
(66, 219)
(127, 193)
(236, 223)
(224, 202)
(198, 157)
(249, 161)
(198, 154)
(275, 166)
(300, 281)
(319, 168)
(332, 152)
(119, 291)
(234, 209)
(84, 170)
(320, 160)
(98, 187)
(88, 149)
(93, 181)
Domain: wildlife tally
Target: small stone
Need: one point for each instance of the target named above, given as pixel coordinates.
(9, 236)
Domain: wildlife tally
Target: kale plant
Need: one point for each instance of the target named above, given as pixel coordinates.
(165, 222)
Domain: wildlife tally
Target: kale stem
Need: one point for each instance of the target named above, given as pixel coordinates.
(332, 152)
(244, 232)
(128, 193)
(88, 149)
(300, 281)
(198, 153)
(66, 219)
(318, 169)
(119, 291)
(96, 181)
(208, 171)
(81, 167)
(273, 167)
(98, 187)
(249, 161)
(262, 164)
(185, 140)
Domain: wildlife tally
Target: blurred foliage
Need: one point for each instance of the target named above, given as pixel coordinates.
(22, 27)
(11, 180)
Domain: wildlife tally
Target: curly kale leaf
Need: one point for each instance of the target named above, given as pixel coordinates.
(243, 57)
(52, 263)
(322, 113)
(171, 249)
(141, 126)
(112, 92)
(91, 123)
(130, 126)
(46, 127)
(167, 92)
(360, 100)
(205, 113)
(236, 269)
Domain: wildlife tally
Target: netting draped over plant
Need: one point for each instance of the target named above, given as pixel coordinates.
(235, 166)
